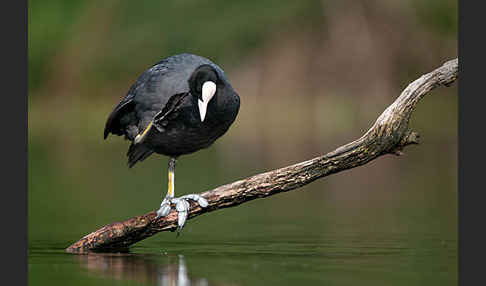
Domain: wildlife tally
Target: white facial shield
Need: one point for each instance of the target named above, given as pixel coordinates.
(208, 91)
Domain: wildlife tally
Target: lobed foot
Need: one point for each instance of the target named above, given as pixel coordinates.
(182, 207)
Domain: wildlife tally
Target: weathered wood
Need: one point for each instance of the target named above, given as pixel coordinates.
(389, 135)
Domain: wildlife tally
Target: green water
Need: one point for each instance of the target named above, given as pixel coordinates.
(390, 222)
(274, 260)
(397, 233)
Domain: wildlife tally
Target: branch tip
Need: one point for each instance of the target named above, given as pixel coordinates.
(411, 137)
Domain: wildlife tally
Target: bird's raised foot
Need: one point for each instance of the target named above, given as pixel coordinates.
(182, 207)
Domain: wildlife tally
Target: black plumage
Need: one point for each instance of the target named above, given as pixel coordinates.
(162, 107)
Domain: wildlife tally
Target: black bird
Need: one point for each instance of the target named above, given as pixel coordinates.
(180, 105)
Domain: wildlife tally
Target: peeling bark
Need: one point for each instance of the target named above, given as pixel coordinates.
(388, 135)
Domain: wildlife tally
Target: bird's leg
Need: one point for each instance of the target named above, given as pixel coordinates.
(181, 204)
(164, 209)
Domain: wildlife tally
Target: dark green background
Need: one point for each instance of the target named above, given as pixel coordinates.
(312, 75)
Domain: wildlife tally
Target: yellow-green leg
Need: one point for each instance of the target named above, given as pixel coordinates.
(171, 179)
(182, 205)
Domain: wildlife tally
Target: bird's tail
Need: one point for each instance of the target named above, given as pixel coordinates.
(137, 152)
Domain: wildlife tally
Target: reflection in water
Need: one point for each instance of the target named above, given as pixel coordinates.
(171, 271)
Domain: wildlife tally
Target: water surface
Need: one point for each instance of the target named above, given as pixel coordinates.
(390, 222)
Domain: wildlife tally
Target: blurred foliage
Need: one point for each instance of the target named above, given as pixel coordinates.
(438, 15)
(130, 35)
(138, 33)
(49, 24)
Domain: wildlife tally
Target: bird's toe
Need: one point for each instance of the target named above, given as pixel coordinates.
(202, 202)
(182, 208)
(197, 198)
(164, 209)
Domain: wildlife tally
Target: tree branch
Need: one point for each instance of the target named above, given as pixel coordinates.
(389, 135)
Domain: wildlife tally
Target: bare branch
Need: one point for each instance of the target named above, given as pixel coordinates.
(389, 135)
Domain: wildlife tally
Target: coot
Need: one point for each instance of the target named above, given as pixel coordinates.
(180, 105)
